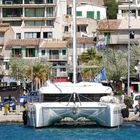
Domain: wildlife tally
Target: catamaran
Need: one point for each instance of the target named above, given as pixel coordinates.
(61, 100)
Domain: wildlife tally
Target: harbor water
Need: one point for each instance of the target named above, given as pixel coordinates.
(128, 131)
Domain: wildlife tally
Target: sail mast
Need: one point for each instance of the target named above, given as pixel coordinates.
(74, 43)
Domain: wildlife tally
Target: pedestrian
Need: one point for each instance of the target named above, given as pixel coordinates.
(9, 100)
(137, 108)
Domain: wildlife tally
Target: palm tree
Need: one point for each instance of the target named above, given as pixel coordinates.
(93, 60)
(38, 72)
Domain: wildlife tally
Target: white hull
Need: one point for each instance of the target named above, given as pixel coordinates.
(46, 114)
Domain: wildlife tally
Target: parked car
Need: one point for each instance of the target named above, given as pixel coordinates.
(136, 97)
(11, 103)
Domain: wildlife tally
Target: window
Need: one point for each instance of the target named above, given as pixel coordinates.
(14, 23)
(63, 52)
(81, 28)
(90, 14)
(12, 12)
(54, 54)
(30, 52)
(69, 11)
(7, 65)
(50, 12)
(18, 35)
(42, 52)
(98, 15)
(32, 35)
(16, 52)
(47, 35)
(11, 1)
(50, 23)
(34, 23)
(34, 12)
(107, 37)
(66, 29)
(1, 35)
(138, 12)
(79, 13)
(49, 1)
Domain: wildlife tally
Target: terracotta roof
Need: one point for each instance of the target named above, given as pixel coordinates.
(23, 42)
(108, 25)
(53, 44)
(37, 42)
(87, 40)
(4, 27)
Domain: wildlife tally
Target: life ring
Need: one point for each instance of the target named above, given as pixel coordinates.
(25, 117)
(125, 112)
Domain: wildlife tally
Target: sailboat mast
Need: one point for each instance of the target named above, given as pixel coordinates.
(74, 43)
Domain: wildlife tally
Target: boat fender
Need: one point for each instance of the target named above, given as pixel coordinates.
(24, 117)
(125, 112)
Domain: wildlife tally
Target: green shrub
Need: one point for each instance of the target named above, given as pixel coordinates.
(128, 101)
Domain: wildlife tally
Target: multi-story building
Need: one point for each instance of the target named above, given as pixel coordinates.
(43, 28)
(34, 23)
(123, 9)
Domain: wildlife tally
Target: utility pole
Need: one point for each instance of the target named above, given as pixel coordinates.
(128, 61)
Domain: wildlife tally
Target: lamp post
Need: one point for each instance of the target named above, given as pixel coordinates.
(128, 61)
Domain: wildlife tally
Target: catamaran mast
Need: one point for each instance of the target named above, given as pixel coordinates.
(74, 43)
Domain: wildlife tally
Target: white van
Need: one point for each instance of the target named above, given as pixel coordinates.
(136, 97)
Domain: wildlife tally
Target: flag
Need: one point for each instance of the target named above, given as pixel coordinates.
(101, 76)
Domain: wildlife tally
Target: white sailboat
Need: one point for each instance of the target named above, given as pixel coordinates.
(85, 99)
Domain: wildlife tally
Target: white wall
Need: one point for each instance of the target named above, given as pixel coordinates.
(85, 8)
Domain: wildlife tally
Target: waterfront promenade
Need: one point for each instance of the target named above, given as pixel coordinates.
(12, 117)
(16, 116)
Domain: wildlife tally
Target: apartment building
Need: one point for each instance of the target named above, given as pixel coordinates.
(123, 9)
(43, 29)
(34, 22)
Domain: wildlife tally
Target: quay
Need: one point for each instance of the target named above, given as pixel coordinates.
(16, 116)
(13, 116)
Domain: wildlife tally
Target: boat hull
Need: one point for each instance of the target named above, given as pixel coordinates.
(46, 114)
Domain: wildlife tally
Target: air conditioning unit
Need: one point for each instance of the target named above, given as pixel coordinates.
(8, 2)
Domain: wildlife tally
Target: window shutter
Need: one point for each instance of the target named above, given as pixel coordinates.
(98, 15)
(27, 52)
(90, 14)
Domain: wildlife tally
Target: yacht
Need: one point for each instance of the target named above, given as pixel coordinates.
(74, 100)
(89, 100)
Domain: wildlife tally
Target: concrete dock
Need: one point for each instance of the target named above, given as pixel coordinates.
(12, 117)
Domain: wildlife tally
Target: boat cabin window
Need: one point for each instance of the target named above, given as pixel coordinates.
(69, 97)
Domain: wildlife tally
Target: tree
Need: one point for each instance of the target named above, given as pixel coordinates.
(112, 8)
(38, 72)
(92, 60)
(17, 68)
(115, 63)
(35, 71)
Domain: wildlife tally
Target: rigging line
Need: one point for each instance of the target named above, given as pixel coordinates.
(86, 98)
(70, 99)
(62, 98)
(79, 98)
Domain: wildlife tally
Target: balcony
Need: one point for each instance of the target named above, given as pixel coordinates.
(125, 41)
